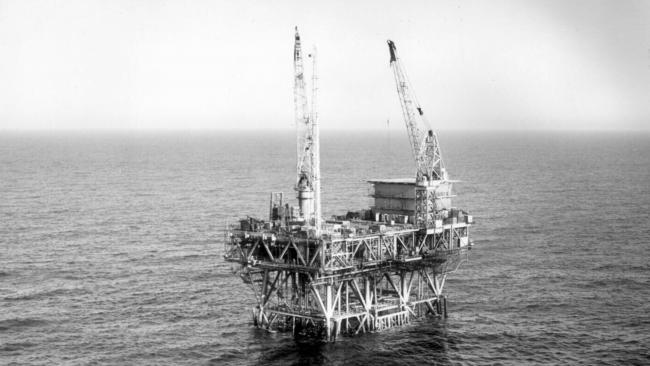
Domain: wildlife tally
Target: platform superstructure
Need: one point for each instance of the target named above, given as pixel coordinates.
(363, 271)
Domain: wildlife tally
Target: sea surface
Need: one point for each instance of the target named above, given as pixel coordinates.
(111, 247)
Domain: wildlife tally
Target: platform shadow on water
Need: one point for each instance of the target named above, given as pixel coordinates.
(426, 342)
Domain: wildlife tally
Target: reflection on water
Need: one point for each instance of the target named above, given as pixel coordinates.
(426, 341)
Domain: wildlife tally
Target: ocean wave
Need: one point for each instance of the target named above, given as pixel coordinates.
(39, 295)
(20, 323)
(16, 346)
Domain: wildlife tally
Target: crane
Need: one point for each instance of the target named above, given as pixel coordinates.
(424, 141)
(307, 140)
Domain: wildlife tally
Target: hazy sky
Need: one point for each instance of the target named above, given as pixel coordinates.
(228, 64)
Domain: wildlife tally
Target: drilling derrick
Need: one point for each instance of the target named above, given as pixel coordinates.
(307, 149)
(367, 270)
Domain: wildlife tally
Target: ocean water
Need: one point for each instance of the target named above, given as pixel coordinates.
(111, 244)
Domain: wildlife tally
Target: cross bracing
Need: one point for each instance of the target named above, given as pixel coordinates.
(329, 286)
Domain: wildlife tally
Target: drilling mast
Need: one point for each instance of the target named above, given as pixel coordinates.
(307, 141)
(316, 141)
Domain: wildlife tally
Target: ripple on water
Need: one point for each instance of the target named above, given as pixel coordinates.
(113, 256)
(17, 324)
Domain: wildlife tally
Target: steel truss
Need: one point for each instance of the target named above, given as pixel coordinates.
(327, 287)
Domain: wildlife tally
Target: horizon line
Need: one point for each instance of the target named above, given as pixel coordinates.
(292, 129)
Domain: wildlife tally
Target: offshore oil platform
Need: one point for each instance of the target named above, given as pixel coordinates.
(364, 271)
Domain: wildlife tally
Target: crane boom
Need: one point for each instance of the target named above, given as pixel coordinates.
(424, 141)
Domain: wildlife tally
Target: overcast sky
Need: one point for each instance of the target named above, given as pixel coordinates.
(228, 64)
